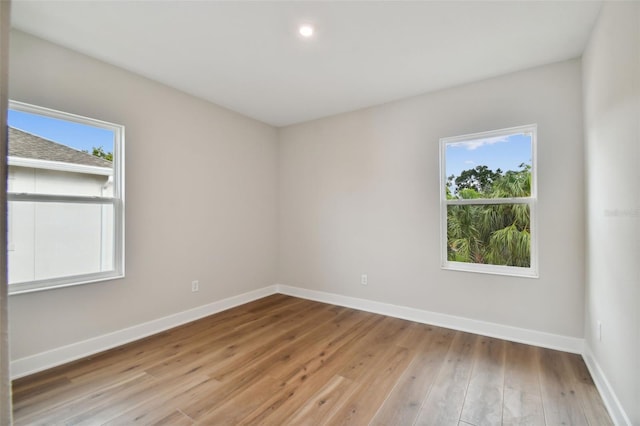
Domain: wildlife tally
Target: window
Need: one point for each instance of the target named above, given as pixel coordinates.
(488, 202)
(65, 199)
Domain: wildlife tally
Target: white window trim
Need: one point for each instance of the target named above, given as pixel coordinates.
(117, 200)
(532, 201)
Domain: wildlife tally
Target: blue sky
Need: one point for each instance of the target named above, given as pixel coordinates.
(79, 136)
(504, 152)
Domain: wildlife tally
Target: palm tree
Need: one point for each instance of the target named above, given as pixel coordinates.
(498, 234)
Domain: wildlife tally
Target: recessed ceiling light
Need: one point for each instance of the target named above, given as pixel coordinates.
(306, 30)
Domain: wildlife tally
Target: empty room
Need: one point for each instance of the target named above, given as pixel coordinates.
(312, 212)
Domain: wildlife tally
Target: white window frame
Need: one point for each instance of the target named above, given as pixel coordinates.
(532, 270)
(117, 201)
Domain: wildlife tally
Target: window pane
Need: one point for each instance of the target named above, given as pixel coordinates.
(52, 240)
(53, 156)
(493, 167)
(496, 234)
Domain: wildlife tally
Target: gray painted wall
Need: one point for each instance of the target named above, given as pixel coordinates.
(200, 199)
(359, 194)
(612, 132)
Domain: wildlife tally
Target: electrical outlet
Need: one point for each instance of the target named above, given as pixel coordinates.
(599, 330)
(363, 279)
(195, 285)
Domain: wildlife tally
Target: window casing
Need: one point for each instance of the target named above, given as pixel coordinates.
(487, 229)
(65, 218)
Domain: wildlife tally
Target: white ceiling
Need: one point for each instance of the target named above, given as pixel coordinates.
(248, 57)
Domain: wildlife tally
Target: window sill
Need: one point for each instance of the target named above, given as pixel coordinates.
(50, 284)
(491, 269)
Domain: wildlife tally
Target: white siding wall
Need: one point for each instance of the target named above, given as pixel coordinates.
(48, 240)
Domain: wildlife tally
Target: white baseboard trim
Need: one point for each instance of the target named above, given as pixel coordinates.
(58, 356)
(514, 334)
(52, 358)
(611, 401)
(55, 357)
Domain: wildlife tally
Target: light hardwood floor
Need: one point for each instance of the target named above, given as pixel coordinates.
(282, 360)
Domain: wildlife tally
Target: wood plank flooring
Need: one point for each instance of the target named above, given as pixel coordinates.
(282, 360)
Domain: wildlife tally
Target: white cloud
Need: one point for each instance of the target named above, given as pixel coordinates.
(477, 143)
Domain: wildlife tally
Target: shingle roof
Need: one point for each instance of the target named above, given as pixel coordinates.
(26, 145)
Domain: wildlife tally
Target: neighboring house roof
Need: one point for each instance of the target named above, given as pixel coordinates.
(26, 145)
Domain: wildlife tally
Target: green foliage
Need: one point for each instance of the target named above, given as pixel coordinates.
(497, 234)
(100, 153)
(480, 179)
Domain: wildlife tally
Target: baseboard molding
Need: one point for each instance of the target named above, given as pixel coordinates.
(58, 356)
(515, 334)
(55, 357)
(52, 358)
(611, 401)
